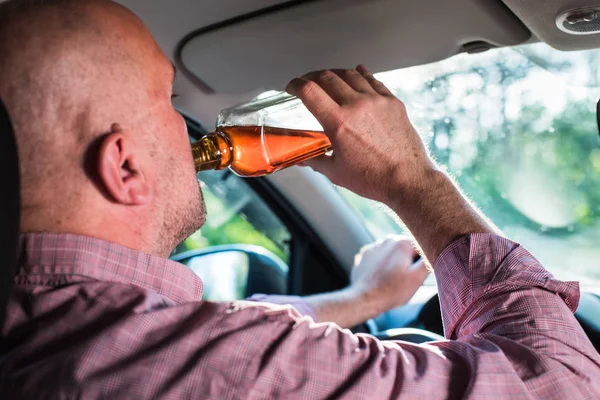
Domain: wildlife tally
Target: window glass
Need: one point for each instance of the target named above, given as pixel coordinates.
(517, 129)
(224, 275)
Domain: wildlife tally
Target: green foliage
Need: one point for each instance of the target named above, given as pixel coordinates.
(568, 151)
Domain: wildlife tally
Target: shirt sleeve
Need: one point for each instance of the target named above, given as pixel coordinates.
(485, 272)
(295, 301)
(513, 331)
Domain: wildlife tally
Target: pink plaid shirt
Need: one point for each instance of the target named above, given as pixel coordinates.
(90, 319)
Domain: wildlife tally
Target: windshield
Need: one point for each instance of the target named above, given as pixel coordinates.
(517, 129)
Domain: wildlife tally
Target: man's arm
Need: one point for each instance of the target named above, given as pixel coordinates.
(384, 276)
(371, 126)
(513, 320)
(378, 154)
(515, 337)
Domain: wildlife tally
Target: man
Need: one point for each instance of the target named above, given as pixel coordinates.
(97, 312)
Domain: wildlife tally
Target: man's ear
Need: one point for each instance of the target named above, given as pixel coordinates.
(120, 171)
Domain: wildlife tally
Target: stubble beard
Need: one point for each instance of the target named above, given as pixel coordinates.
(181, 220)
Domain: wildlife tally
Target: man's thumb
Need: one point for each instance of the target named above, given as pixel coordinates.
(420, 270)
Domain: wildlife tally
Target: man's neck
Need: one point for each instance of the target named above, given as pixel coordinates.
(103, 225)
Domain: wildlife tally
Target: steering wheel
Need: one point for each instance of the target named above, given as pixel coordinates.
(413, 335)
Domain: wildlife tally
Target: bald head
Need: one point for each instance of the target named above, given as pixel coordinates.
(72, 75)
(57, 57)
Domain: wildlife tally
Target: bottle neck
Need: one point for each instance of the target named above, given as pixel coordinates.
(212, 151)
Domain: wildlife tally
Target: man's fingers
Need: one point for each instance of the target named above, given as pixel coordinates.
(355, 80)
(316, 100)
(337, 88)
(405, 244)
(375, 84)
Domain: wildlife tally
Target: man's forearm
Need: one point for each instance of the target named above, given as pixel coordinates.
(436, 212)
(345, 307)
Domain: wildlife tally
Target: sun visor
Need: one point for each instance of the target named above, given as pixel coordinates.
(265, 50)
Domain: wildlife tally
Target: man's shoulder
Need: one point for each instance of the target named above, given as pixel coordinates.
(108, 336)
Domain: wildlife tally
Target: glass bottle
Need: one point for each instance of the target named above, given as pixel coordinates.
(262, 137)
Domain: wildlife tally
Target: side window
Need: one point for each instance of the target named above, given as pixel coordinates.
(236, 215)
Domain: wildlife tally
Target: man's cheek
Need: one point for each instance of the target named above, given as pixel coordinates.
(180, 134)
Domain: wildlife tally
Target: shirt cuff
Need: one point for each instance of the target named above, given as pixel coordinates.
(474, 268)
(295, 301)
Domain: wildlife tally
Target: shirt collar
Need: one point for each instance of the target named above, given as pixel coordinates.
(61, 253)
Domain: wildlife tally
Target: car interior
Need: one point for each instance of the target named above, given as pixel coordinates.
(503, 92)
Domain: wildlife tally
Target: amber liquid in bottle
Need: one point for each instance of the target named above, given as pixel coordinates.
(252, 151)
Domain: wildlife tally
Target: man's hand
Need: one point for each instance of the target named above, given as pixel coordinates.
(378, 154)
(384, 276)
(370, 132)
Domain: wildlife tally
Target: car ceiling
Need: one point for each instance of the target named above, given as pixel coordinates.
(266, 50)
